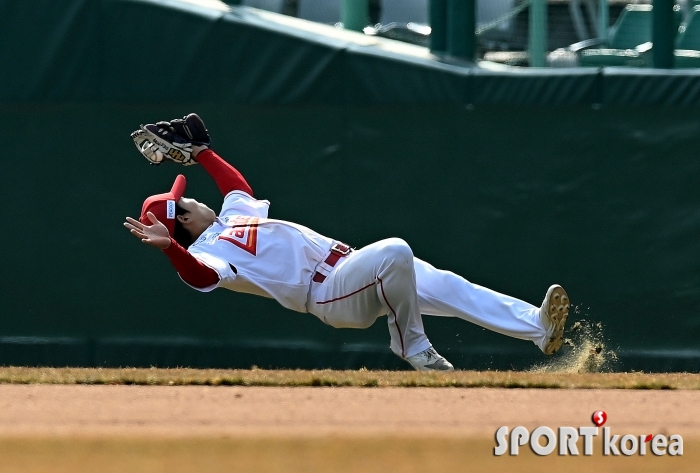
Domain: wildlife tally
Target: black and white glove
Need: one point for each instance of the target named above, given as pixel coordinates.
(171, 140)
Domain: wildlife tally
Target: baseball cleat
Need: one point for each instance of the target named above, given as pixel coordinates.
(430, 360)
(554, 311)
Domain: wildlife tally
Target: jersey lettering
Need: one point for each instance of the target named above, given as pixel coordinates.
(243, 233)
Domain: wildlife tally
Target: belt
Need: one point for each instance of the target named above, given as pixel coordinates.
(338, 251)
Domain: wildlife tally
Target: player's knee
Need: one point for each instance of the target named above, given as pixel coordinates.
(359, 321)
(398, 250)
(364, 323)
(398, 256)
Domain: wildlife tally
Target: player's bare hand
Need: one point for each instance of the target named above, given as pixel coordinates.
(154, 235)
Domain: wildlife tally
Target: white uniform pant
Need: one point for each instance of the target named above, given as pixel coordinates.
(384, 278)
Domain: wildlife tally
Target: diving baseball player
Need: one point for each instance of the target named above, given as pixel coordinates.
(243, 250)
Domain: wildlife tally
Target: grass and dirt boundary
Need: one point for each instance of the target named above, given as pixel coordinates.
(357, 378)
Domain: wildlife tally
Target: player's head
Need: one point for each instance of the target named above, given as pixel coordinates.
(191, 219)
(184, 218)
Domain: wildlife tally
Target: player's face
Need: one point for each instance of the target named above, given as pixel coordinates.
(198, 213)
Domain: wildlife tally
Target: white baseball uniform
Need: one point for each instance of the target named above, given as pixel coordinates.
(308, 272)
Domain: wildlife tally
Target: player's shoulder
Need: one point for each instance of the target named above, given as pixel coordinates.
(241, 202)
(239, 194)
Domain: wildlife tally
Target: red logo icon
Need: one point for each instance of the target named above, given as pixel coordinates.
(599, 418)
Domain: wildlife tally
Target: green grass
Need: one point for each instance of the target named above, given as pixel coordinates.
(359, 378)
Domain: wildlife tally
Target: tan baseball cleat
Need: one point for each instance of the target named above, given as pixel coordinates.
(553, 312)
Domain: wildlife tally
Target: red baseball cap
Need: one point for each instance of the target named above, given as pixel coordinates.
(163, 205)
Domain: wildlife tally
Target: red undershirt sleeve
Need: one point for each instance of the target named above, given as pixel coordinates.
(227, 177)
(191, 270)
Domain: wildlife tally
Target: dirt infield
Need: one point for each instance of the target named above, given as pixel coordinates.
(186, 411)
(186, 428)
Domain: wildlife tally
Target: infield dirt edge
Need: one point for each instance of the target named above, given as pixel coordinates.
(356, 378)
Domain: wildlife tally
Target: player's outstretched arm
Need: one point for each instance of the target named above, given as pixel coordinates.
(155, 235)
(227, 178)
(192, 271)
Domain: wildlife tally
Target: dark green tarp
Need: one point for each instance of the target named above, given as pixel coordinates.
(514, 178)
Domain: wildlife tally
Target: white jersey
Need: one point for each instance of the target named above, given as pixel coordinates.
(255, 254)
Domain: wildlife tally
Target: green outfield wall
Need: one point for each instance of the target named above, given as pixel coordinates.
(515, 179)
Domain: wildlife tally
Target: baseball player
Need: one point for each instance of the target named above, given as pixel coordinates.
(243, 250)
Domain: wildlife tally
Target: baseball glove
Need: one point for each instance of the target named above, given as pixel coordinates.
(171, 140)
